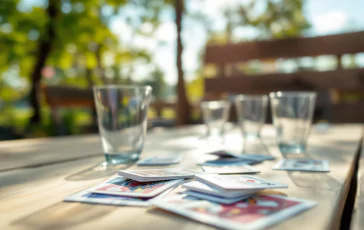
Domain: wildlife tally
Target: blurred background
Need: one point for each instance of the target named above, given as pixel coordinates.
(53, 51)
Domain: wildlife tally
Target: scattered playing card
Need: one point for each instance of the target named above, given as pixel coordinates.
(257, 157)
(94, 198)
(126, 187)
(156, 174)
(217, 199)
(234, 182)
(168, 160)
(228, 162)
(230, 169)
(204, 188)
(257, 212)
(309, 165)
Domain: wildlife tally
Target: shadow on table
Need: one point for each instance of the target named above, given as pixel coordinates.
(64, 216)
(317, 181)
(100, 170)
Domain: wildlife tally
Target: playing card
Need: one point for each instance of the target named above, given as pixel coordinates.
(86, 196)
(204, 188)
(217, 199)
(168, 160)
(156, 174)
(257, 157)
(224, 161)
(309, 165)
(230, 169)
(94, 198)
(257, 212)
(126, 187)
(234, 182)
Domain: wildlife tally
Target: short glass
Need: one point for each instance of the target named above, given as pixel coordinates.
(122, 120)
(215, 115)
(251, 112)
(292, 118)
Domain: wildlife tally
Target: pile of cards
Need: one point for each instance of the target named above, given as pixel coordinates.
(232, 202)
(227, 189)
(133, 187)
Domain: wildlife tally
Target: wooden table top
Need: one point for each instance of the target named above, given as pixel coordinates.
(358, 214)
(36, 175)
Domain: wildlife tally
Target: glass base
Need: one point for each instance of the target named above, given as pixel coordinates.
(292, 148)
(124, 158)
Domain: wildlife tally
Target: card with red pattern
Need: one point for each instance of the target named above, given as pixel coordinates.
(126, 187)
(257, 212)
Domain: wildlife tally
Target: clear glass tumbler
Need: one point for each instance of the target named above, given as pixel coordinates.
(251, 112)
(215, 115)
(122, 119)
(292, 118)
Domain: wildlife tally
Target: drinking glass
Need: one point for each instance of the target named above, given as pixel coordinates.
(292, 117)
(251, 111)
(215, 115)
(122, 120)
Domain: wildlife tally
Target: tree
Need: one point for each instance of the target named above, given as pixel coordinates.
(183, 106)
(44, 49)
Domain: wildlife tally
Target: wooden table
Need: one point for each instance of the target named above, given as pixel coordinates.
(358, 214)
(36, 175)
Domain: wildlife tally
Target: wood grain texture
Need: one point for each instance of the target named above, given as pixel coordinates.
(41, 151)
(31, 198)
(358, 213)
(37, 152)
(349, 79)
(337, 44)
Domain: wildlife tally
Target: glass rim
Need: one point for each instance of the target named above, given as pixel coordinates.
(130, 87)
(250, 96)
(293, 94)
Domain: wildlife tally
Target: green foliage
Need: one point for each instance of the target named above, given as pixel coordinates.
(157, 82)
(86, 52)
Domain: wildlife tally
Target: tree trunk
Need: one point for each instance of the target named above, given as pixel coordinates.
(183, 107)
(100, 69)
(91, 83)
(44, 50)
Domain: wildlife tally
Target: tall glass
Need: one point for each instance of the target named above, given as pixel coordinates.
(122, 119)
(292, 117)
(251, 111)
(215, 115)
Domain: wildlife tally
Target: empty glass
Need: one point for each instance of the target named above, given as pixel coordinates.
(215, 115)
(292, 117)
(122, 119)
(251, 112)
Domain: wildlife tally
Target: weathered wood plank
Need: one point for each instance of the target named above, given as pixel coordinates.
(336, 79)
(31, 198)
(358, 213)
(41, 151)
(286, 48)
